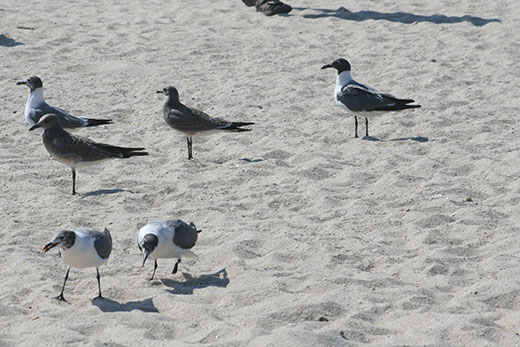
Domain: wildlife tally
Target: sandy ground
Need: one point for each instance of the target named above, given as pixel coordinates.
(310, 236)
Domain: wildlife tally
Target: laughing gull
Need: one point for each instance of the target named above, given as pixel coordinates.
(168, 239)
(76, 151)
(361, 99)
(82, 248)
(191, 121)
(36, 107)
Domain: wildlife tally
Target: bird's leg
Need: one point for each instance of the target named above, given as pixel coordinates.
(356, 123)
(98, 284)
(60, 297)
(176, 266)
(73, 181)
(366, 126)
(190, 142)
(154, 268)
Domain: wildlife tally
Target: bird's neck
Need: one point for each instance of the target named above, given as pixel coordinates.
(172, 102)
(343, 78)
(35, 98)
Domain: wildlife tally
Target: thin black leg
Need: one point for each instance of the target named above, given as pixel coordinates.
(366, 126)
(98, 284)
(176, 266)
(60, 297)
(190, 142)
(355, 122)
(73, 181)
(154, 268)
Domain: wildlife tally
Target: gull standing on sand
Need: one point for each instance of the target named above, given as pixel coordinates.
(76, 151)
(82, 248)
(361, 99)
(191, 121)
(36, 107)
(168, 239)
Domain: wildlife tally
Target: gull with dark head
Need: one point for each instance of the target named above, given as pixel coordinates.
(82, 248)
(191, 121)
(76, 151)
(167, 239)
(36, 107)
(360, 99)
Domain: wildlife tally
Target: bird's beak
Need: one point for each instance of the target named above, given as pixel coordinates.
(49, 246)
(21, 82)
(328, 66)
(37, 125)
(160, 92)
(145, 254)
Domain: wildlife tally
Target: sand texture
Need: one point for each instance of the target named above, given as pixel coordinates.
(310, 237)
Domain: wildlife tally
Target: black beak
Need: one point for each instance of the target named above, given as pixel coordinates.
(37, 125)
(328, 66)
(146, 254)
(20, 83)
(160, 92)
(48, 246)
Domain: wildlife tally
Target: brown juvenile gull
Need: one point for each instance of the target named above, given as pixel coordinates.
(36, 107)
(76, 151)
(361, 99)
(82, 248)
(168, 239)
(191, 121)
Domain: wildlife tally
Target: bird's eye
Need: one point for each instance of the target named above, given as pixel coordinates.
(165, 90)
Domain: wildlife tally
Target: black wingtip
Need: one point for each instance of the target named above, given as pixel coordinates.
(95, 122)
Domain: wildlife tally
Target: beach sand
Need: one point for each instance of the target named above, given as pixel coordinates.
(310, 237)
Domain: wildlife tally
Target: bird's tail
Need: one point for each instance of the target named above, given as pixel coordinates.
(95, 122)
(237, 126)
(400, 104)
(123, 152)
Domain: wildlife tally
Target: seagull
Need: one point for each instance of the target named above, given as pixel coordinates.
(76, 151)
(36, 107)
(167, 239)
(82, 248)
(361, 99)
(191, 121)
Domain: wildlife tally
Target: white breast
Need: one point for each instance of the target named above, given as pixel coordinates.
(82, 253)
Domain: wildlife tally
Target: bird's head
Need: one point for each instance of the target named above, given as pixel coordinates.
(147, 245)
(32, 82)
(338, 64)
(65, 239)
(48, 121)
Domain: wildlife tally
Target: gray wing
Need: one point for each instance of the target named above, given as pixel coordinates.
(185, 235)
(102, 242)
(358, 97)
(66, 119)
(190, 120)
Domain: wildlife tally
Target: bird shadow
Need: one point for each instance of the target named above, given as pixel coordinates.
(217, 279)
(248, 160)
(400, 17)
(104, 192)
(415, 138)
(109, 305)
(8, 42)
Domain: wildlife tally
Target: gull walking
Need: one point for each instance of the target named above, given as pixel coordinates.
(168, 239)
(82, 248)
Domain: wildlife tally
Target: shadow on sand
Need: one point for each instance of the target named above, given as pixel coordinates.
(400, 17)
(109, 305)
(103, 192)
(415, 138)
(8, 42)
(217, 279)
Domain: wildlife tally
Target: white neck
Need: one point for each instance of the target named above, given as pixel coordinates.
(35, 98)
(343, 78)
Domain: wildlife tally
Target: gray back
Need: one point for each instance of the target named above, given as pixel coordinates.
(358, 97)
(185, 235)
(102, 242)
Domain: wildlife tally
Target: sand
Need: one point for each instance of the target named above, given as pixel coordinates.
(310, 236)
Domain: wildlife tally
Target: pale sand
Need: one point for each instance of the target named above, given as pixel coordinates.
(300, 220)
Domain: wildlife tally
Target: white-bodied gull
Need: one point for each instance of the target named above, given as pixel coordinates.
(167, 239)
(361, 99)
(82, 248)
(191, 121)
(36, 107)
